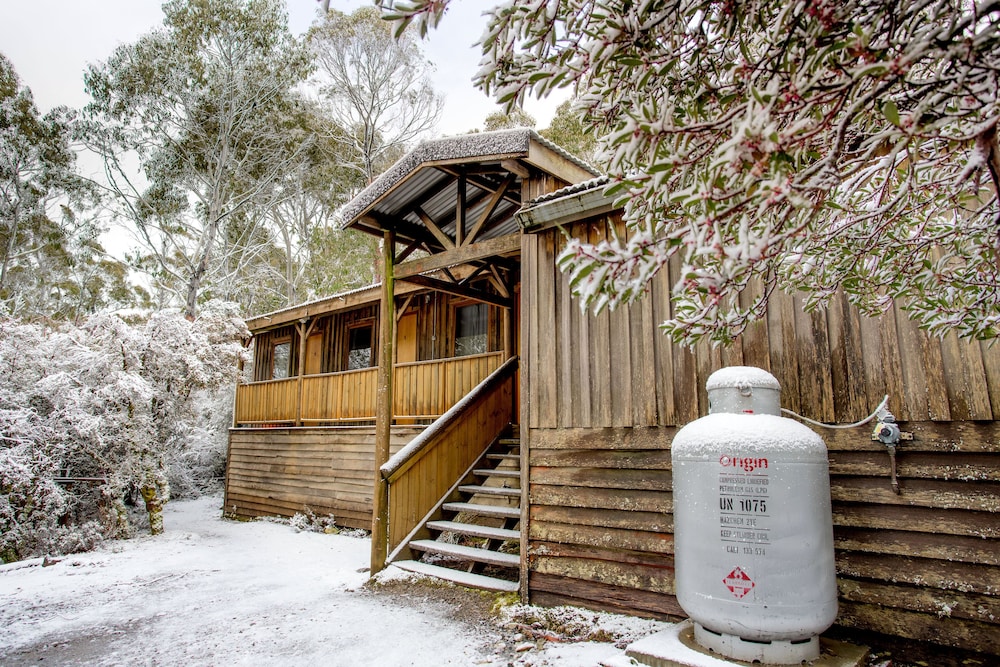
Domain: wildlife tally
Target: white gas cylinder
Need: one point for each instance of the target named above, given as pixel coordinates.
(753, 529)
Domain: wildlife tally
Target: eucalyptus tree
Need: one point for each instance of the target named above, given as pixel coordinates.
(811, 145)
(568, 129)
(195, 104)
(44, 243)
(376, 88)
(500, 120)
(314, 257)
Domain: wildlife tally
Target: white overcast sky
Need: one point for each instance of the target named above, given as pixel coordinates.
(50, 43)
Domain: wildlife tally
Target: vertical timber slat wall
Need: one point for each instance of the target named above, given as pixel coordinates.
(606, 394)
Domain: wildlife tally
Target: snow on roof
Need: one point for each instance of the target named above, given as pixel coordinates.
(735, 377)
(274, 314)
(569, 190)
(479, 144)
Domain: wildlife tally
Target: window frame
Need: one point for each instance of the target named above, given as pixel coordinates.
(456, 306)
(367, 323)
(275, 344)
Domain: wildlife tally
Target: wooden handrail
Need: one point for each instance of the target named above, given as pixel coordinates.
(406, 457)
(418, 476)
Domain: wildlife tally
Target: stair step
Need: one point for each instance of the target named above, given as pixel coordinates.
(484, 510)
(504, 457)
(510, 442)
(467, 553)
(491, 491)
(457, 576)
(475, 530)
(493, 472)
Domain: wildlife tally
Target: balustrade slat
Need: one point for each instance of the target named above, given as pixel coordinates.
(425, 389)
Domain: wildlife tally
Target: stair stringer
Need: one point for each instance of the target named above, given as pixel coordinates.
(420, 531)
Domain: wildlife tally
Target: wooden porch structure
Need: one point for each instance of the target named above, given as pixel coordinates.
(312, 423)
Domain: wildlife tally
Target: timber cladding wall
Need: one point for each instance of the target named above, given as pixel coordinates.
(281, 471)
(604, 396)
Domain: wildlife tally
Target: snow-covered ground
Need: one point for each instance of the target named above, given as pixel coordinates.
(210, 591)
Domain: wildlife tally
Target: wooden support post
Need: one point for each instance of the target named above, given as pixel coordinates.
(304, 331)
(383, 414)
(246, 342)
(508, 333)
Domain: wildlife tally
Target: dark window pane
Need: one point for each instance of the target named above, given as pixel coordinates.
(470, 329)
(359, 349)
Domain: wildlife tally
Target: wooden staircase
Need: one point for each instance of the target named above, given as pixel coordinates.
(474, 539)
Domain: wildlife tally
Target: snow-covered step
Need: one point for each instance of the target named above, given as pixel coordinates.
(467, 553)
(484, 510)
(491, 491)
(457, 576)
(475, 530)
(493, 472)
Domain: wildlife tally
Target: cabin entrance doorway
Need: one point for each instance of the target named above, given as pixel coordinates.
(406, 339)
(314, 354)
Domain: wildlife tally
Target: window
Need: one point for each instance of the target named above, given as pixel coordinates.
(471, 328)
(359, 347)
(281, 360)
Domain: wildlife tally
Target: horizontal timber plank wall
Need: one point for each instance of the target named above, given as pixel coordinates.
(604, 396)
(281, 471)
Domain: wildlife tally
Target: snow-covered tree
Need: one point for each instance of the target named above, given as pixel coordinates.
(200, 105)
(51, 263)
(138, 406)
(499, 120)
(808, 145)
(314, 257)
(568, 130)
(376, 88)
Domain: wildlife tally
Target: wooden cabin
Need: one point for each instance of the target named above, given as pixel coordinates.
(555, 425)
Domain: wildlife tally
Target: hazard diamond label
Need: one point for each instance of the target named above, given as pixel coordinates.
(738, 582)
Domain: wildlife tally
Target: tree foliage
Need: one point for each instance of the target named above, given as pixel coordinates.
(51, 263)
(135, 407)
(500, 120)
(373, 86)
(568, 130)
(202, 105)
(314, 258)
(805, 145)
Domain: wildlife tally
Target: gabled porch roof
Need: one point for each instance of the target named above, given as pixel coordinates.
(452, 192)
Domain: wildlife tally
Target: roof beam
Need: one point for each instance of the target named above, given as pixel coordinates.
(460, 210)
(516, 167)
(458, 290)
(501, 245)
(490, 209)
(406, 231)
(485, 184)
(434, 229)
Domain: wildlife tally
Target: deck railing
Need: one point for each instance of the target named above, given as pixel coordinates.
(423, 471)
(424, 390)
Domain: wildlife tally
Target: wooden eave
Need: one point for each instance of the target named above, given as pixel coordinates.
(426, 276)
(572, 207)
(453, 192)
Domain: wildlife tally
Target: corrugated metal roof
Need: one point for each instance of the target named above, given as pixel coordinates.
(277, 314)
(428, 169)
(574, 189)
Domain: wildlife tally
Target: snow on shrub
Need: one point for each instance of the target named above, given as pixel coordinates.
(131, 406)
